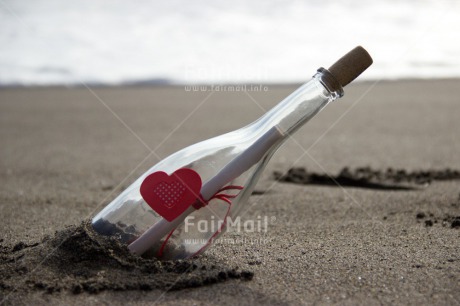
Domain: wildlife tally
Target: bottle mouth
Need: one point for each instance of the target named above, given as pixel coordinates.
(329, 81)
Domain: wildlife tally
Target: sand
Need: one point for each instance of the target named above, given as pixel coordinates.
(379, 239)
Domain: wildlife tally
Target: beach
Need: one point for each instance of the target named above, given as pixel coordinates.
(68, 151)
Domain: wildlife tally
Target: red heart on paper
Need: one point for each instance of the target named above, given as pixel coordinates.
(171, 195)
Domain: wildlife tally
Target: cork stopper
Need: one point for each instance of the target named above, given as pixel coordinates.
(351, 65)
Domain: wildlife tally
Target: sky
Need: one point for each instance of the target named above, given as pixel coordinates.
(49, 42)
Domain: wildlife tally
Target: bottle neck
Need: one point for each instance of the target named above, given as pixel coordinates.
(302, 105)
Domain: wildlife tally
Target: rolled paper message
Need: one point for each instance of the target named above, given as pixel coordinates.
(233, 169)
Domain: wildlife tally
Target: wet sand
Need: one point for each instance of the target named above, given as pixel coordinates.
(65, 155)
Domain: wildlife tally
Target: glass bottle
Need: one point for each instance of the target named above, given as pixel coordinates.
(228, 166)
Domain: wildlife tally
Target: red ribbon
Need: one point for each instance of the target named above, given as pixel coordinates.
(200, 203)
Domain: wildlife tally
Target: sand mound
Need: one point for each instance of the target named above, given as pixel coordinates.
(366, 177)
(79, 260)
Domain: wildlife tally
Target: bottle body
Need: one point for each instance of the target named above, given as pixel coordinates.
(239, 157)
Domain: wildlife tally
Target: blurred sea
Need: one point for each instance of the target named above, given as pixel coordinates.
(44, 42)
